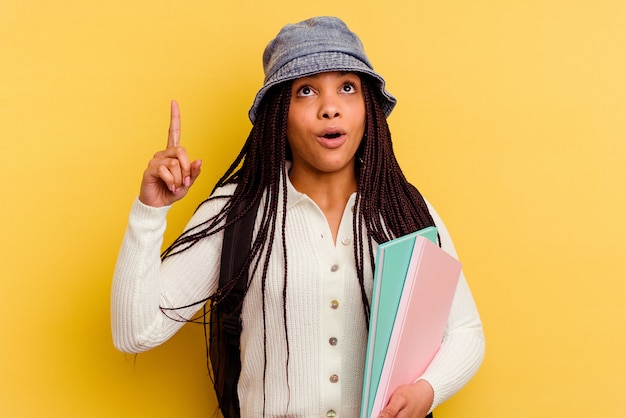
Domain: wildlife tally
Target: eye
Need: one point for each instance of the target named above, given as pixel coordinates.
(304, 91)
(348, 87)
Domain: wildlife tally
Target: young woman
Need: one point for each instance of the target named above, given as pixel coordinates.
(320, 164)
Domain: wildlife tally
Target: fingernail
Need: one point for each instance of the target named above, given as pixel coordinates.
(187, 181)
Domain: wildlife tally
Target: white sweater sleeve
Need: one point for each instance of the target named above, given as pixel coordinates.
(463, 345)
(143, 286)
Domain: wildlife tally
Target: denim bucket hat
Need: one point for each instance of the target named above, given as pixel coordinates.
(315, 45)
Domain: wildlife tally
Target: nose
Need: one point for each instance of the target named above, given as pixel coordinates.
(329, 108)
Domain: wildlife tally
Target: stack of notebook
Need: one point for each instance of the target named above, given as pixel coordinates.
(414, 284)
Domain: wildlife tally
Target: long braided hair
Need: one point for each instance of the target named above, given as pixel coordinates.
(258, 171)
(386, 205)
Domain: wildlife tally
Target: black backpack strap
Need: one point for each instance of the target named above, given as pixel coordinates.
(235, 250)
(226, 317)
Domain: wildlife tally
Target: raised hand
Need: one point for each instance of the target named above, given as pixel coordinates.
(169, 174)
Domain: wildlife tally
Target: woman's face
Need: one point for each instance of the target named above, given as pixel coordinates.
(326, 123)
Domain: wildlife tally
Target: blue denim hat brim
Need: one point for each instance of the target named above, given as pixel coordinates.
(316, 45)
(320, 63)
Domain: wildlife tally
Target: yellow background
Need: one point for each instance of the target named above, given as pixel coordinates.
(511, 120)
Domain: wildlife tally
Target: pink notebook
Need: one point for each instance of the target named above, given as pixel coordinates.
(421, 318)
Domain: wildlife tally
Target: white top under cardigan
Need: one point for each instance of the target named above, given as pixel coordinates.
(322, 377)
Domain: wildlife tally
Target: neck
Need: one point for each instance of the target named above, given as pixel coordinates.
(327, 190)
(330, 192)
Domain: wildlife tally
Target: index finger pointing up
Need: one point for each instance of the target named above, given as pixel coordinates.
(173, 138)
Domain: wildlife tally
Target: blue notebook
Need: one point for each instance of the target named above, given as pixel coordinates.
(392, 260)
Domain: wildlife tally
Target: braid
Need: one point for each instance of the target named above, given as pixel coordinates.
(388, 205)
(257, 171)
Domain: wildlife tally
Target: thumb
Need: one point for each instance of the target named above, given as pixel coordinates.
(392, 409)
(195, 170)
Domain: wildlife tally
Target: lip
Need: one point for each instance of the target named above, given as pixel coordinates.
(332, 138)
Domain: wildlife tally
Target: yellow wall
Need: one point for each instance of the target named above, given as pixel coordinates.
(511, 119)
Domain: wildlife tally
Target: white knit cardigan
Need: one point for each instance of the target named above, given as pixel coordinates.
(325, 321)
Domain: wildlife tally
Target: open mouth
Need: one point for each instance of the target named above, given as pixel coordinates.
(332, 135)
